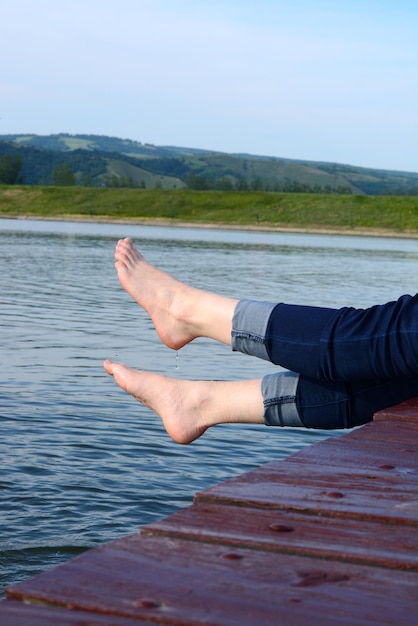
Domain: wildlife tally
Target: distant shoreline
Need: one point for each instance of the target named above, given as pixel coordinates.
(345, 232)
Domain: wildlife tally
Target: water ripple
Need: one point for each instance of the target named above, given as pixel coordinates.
(82, 463)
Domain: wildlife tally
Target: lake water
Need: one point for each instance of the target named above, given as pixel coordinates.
(83, 463)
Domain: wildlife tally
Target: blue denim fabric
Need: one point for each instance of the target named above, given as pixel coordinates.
(346, 364)
(249, 327)
(279, 395)
(331, 405)
(346, 344)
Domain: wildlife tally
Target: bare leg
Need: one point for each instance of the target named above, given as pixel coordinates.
(180, 313)
(188, 408)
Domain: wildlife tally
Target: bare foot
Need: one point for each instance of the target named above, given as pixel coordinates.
(180, 313)
(189, 408)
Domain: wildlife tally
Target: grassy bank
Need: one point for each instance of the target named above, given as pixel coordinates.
(396, 214)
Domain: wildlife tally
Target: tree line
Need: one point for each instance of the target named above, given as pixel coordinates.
(34, 166)
(10, 166)
(63, 175)
(229, 183)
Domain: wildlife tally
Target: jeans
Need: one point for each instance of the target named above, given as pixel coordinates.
(343, 364)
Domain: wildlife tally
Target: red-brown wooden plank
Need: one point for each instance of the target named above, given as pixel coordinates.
(383, 494)
(390, 431)
(168, 580)
(406, 410)
(353, 452)
(370, 474)
(306, 535)
(20, 614)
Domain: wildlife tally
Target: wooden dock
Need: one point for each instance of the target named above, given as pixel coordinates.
(328, 536)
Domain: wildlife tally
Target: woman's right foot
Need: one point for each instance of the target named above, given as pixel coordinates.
(180, 313)
(188, 408)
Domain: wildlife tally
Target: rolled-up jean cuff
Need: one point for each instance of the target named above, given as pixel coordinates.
(279, 396)
(249, 326)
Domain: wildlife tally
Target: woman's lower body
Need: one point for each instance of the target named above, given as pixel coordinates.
(344, 365)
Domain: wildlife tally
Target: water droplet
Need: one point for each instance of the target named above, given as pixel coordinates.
(281, 528)
(233, 556)
(146, 604)
(335, 494)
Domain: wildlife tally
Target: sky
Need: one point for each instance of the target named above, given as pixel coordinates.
(321, 80)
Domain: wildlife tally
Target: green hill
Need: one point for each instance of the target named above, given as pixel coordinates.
(92, 160)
